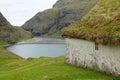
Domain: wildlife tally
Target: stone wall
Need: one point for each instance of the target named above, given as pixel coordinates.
(83, 53)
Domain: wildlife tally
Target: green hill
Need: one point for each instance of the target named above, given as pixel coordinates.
(101, 24)
(63, 13)
(22, 34)
(7, 32)
(10, 34)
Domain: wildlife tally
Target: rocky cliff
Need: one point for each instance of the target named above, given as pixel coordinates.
(63, 13)
(9, 33)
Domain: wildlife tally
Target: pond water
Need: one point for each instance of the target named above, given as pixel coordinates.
(38, 50)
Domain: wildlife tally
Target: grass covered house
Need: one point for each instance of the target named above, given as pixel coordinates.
(94, 42)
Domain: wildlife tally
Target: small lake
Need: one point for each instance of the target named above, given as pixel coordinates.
(37, 50)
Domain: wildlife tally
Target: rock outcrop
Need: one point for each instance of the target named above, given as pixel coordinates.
(63, 13)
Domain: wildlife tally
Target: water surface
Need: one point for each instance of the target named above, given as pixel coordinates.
(38, 50)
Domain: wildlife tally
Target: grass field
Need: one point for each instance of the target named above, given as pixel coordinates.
(45, 68)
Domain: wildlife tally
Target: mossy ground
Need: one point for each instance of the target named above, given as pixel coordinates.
(101, 24)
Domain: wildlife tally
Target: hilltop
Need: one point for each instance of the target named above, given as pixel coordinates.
(101, 24)
(63, 13)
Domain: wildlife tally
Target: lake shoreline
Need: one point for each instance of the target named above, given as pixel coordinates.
(43, 40)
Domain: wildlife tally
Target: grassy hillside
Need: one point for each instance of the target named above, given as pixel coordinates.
(101, 24)
(48, 69)
(7, 32)
(10, 34)
(63, 13)
(72, 4)
(39, 23)
(6, 56)
(23, 35)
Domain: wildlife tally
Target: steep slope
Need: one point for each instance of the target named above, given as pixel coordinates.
(63, 13)
(42, 22)
(22, 34)
(8, 33)
(101, 24)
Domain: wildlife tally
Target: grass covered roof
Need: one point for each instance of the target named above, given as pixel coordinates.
(101, 24)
